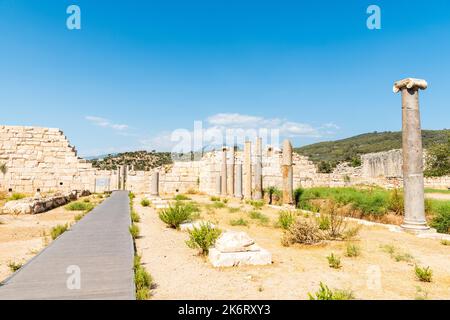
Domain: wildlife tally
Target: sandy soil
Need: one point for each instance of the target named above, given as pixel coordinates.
(179, 273)
(24, 236)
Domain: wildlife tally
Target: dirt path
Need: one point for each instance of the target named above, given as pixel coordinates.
(180, 274)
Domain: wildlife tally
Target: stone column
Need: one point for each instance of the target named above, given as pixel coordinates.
(154, 191)
(230, 173)
(258, 170)
(287, 173)
(412, 154)
(218, 183)
(224, 172)
(247, 170)
(238, 186)
(124, 177)
(119, 177)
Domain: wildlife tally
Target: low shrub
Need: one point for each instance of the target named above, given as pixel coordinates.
(445, 242)
(145, 202)
(323, 222)
(203, 238)
(286, 219)
(325, 293)
(142, 279)
(219, 205)
(334, 261)
(16, 196)
(176, 215)
(396, 254)
(135, 216)
(233, 210)
(134, 231)
(423, 274)
(396, 202)
(55, 232)
(441, 218)
(214, 198)
(79, 206)
(78, 217)
(13, 266)
(352, 251)
(303, 232)
(256, 215)
(131, 195)
(181, 197)
(225, 200)
(256, 204)
(239, 222)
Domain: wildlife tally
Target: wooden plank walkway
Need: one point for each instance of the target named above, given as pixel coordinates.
(100, 245)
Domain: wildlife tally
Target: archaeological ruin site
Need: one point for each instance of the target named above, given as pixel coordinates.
(271, 226)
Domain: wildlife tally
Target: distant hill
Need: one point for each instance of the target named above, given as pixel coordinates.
(141, 160)
(332, 152)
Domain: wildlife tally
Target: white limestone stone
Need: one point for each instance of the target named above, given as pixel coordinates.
(191, 225)
(234, 259)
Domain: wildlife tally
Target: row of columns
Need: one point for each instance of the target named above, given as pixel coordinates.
(235, 179)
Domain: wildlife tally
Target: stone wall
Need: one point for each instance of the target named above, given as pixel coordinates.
(382, 164)
(43, 159)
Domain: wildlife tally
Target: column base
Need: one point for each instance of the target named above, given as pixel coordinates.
(417, 228)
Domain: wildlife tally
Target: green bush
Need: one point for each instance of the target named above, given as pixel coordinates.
(181, 197)
(441, 219)
(334, 261)
(298, 196)
(214, 198)
(79, 206)
(135, 216)
(14, 266)
(239, 222)
(423, 274)
(325, 293)
(78, 217)
(134, 231)
(203, 237)
(16, 196)
(142, 280)
(438, 159)
(286, 219)
(176, 215)
(256, 204)
(55, 232)
(219, 205)
(131, 195)
(352, 251)
(396, 202)
(145, 202)
(256, 215)
(323, 221)
(233, 210)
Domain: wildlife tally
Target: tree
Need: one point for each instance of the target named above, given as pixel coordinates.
(438, 160)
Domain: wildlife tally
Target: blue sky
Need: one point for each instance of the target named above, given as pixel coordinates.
(138, 70)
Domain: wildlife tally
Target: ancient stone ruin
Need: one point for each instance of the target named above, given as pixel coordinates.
(42, 160)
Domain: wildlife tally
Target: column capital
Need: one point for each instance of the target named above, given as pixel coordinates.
(410, 83)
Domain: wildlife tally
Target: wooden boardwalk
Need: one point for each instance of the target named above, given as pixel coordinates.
(100, 245)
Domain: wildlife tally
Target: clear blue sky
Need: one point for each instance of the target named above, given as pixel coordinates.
(139, 69)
